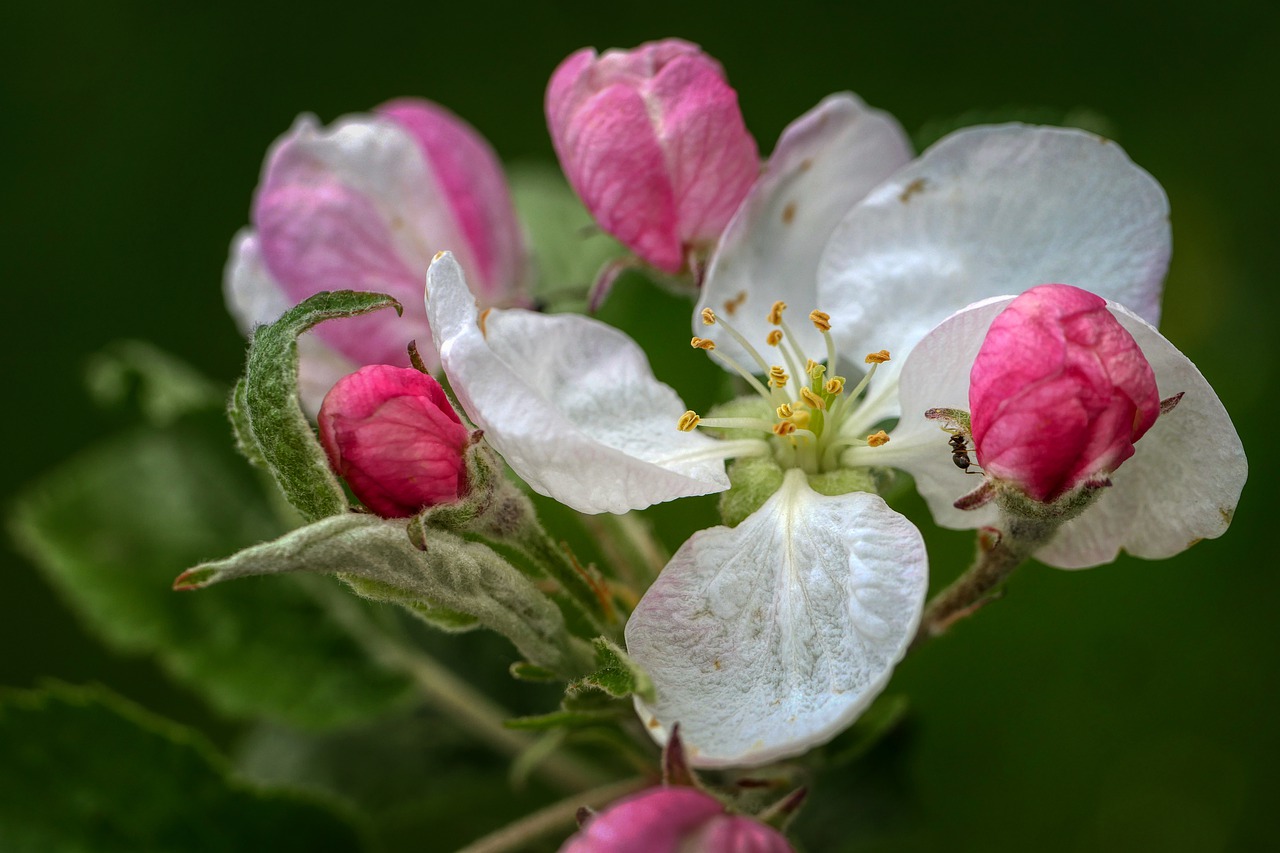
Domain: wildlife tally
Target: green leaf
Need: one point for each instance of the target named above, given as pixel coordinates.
(112, 527)
(267, 415)
(562, 720)
(423, 786)
(377, 559)
(616, 673)
(163, 387)
(85, 770)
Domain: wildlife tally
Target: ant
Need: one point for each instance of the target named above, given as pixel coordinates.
(960, 452)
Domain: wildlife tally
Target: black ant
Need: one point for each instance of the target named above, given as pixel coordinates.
(960, 453)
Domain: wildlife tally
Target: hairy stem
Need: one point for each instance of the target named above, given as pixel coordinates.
(555, 818)
(997, 558)
(470, 710)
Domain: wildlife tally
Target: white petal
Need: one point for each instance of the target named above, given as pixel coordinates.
(379, 159)
(569, 402)
(1181, 485)
(825, 161)
(255, 298)
(769, 638)
(990, 211)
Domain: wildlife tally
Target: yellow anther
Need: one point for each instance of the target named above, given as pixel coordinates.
(437, 256)
(774, 338)
(731, 305)
(702, 343)
(778, 377)
(834, 386)
(784, 428)
(688, 421)
(481, 320)
(809, 365)
(878, 357)
(708, 317)
(814, 401)
(816, 370)
(821, 320)
(775, 313)
(785, 411)
(877, 439)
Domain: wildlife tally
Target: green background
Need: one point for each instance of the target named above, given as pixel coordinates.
(1129, 707)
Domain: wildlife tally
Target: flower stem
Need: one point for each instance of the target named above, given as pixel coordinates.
(557, 817)
(469, 709)
(999, 554)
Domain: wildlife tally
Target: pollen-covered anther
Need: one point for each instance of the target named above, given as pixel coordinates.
(821, 320)
(812, 399)
(785, 411)
(688, 421)
(708, 317)
(877, 357)
(834, 386)
(775, 313)
(877, 439)
(778, 377)
(703, 344)
(784, 428)
(774, 338)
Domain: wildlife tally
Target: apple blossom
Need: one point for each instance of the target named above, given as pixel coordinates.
(1180, 485)
(673, 820)
(363, 205)
(769, 637)
(653, 142)
(392, 434)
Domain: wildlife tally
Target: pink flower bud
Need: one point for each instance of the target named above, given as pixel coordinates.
(391, 433)
(364, 204)
(1059, 392)
(673, 820)
(653, 142)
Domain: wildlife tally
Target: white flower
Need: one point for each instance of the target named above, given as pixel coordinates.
(770, 637)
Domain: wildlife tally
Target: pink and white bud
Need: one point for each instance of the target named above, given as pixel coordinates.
(1059, 392)
(673, 820)
(653, 142)
(364, 204)
(392, 434)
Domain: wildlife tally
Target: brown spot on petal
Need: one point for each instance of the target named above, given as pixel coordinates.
(732, 305)
(913, 188)
(789, 213)
(653, 723)
(482, 320)
(1227, 514)
(806, 164)
(716, 663)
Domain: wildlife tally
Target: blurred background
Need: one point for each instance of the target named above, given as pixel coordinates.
(1127, 707)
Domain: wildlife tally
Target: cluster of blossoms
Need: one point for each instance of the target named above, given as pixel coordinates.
(982, 316)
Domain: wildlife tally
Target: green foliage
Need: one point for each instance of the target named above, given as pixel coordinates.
(266, 415)
(616, 673)
(378, 560)
(112, 528)
(161, 386)
(753, 480)
(86, 771)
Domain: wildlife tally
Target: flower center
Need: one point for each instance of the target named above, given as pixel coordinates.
(811, 409)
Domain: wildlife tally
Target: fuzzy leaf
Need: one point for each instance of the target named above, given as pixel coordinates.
(561, 720)
(377, 559)
(616, 673)
(84, 771)
(112, 527)
(269, 415)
